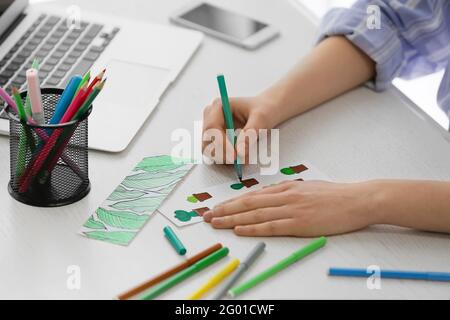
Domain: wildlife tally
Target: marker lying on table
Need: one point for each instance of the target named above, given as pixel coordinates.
(174, 241)
(228, 116)
(391, 274)
(297, 255)
(186, 273)
(215, 280)
(243, 267)
(166, 274)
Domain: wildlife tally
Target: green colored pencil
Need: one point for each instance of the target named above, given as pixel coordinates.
(85, 79)
(186, 273)
(297, 255)
(86, 105)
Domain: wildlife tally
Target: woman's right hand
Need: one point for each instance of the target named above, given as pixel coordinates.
(249, 113)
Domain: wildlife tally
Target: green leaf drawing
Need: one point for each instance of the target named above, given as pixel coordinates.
(287, 171)
(152, 164)
(145, 181)
(121, 194)
(185, 216)
(117, 237)
(93, 224)
(192, 199)
(141, 205)
(121, 219)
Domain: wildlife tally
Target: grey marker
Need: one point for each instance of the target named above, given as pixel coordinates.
(252, 256)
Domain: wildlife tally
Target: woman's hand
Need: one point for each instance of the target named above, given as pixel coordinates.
(298, 208)
(250, 113)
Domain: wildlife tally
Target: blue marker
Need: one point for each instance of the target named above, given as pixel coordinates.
(391, 274)
(65, 99)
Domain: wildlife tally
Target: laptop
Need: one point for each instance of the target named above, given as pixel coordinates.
(142, 59)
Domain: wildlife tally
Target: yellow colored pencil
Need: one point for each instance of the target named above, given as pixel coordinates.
(215, 280)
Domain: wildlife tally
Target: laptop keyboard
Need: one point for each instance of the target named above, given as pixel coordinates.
(62, 51)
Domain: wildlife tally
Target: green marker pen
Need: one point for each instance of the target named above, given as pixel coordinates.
(174, 241)
(228, 116)
(186, 273)
(294, 257)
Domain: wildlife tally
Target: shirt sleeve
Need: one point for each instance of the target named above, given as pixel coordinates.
(398, 40)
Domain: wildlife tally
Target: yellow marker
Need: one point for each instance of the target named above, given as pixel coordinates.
(215, 280)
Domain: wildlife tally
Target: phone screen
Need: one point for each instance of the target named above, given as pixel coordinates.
(223, 21)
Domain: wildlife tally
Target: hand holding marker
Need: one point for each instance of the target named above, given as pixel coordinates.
(76, 104)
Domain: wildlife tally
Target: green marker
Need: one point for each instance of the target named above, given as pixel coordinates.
(186, 273)
(174, 241)
(297, 255)
(228, 116)
(22, 152)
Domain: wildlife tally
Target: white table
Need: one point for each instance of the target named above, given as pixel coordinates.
(361, 135)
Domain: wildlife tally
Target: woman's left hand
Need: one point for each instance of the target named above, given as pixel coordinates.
(298, 208)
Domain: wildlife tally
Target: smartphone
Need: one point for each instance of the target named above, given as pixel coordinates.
(226, 25)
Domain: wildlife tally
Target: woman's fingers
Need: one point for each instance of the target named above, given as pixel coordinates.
(250, 217)
(245, 204)
(282, 227)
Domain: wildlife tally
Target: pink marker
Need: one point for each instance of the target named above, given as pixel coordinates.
(34, 92)
(5, 96)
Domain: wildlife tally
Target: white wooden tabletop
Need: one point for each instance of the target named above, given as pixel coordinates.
(361, 135)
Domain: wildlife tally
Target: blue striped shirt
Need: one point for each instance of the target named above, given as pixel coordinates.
(412, 38)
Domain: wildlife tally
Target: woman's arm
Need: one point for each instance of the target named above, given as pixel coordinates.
(314, 208)
(421, 205)
(333, 67)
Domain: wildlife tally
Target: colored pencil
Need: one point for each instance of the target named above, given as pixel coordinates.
(168, 273)
(65, 100)
(84, 80)
(68, 134)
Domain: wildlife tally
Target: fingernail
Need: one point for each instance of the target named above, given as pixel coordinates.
(216, 221)
(207, 216)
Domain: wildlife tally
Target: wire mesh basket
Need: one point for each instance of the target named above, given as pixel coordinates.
(48, 163)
